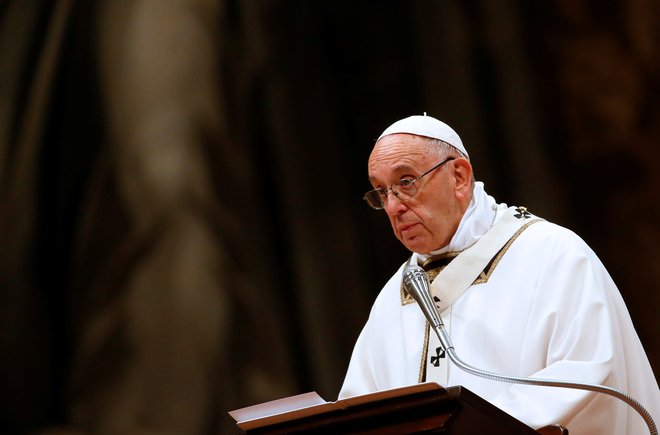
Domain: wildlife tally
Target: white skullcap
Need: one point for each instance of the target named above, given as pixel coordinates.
(423, 125)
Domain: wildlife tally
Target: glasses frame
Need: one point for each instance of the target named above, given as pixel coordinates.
(384, 193)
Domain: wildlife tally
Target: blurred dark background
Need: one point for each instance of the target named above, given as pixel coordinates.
(181, 225)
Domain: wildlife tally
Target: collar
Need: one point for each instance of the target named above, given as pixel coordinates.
(479, 217)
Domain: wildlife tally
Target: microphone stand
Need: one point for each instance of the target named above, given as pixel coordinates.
(416, 283)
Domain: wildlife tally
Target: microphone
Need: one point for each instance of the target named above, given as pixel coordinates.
(416, 283)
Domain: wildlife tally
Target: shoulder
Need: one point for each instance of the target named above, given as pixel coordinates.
(551, 253)
(549, 238)
(561, 262)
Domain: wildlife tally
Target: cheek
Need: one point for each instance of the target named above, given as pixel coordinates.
(392, 220)
(435, 221)
(425, 215)
(433, 229)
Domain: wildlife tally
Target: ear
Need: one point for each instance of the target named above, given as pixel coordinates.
(462, 178)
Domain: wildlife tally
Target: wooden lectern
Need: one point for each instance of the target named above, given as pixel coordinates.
(422, 408)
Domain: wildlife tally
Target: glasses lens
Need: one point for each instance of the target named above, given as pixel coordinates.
(374, 199)
(406, 188)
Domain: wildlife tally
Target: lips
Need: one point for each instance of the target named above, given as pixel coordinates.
(407, 227)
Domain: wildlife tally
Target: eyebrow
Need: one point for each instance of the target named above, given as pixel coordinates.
(401, 167)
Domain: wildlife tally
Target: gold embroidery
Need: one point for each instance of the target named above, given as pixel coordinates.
(485, 275)
(425, 352)
(439, 260)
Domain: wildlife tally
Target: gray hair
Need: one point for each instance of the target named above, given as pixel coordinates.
(443, 149)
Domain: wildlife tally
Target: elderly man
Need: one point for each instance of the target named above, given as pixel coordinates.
(518, 295)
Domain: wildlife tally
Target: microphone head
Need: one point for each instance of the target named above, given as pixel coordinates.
(416, 283)
(415, 280)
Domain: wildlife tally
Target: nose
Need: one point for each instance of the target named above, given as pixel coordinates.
(394, 205)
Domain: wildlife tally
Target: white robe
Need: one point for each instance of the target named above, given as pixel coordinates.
(547, 309)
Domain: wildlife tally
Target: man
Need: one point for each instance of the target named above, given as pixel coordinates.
(540, 304)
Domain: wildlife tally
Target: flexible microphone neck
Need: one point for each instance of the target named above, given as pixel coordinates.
(416, 283)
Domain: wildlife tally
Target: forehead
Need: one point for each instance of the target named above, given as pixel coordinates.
(398, 153)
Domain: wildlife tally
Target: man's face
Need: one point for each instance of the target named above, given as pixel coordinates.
(427, 221)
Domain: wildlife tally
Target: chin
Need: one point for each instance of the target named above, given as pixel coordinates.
(419, 248)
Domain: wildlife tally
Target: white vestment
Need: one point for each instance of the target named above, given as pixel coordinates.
(545, 308)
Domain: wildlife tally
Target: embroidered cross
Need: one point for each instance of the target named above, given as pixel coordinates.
(439, 353)
(522, 213)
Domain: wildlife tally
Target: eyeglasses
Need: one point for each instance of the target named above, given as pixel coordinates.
(404, 190)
